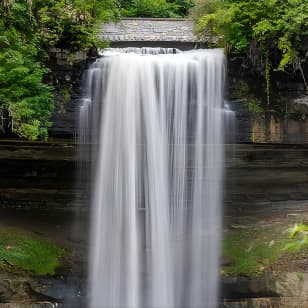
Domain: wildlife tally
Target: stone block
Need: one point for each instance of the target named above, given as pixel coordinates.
(137, 29)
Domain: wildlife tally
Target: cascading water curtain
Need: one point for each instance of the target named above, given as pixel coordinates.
(154, 117)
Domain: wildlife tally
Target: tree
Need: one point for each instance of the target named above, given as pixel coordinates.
(73, 24)
(28, 29)
(155, 8)
(271, 33)
(184, 7)
(22, 92)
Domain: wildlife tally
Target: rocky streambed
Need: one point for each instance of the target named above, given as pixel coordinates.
(43, 261)
(263, 266)
(257, 271)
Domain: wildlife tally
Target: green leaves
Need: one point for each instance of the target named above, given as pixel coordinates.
(155, 8)
(72, 24)
(26, 35)
(298, 236)
(151, 8)
(22, 91)
(277, 27)
(30, 254)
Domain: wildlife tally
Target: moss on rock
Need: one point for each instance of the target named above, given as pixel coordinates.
(252, 250)
(19, 251)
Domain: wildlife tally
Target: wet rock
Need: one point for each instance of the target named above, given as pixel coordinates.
(19, 291)
(252, 303)
(293, 289)
(5, 290)
(225, 261)
(244, 287)
(37, 305)
(275, 289)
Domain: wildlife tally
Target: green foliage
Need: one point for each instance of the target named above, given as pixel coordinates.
(272, 29)
(151, 8)
(184, 6)
(20, 251)
(28, 29)
(72, 24)
(155, 8)
(254, 106)
(22, 91)
(252, 250)
(64, 97)
(241, 90)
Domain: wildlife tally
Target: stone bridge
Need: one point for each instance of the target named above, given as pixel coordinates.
(150, 32)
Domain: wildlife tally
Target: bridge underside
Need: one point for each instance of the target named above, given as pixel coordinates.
(177, 45)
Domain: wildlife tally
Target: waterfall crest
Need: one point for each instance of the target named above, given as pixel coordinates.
(154, 117)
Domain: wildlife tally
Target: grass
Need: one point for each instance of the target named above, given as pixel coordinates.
(27, 253)
(251, 251)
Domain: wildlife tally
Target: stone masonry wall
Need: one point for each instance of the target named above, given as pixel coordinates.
(149, 29)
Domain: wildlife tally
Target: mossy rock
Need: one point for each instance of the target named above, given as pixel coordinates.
(253, 250)
(25, 252)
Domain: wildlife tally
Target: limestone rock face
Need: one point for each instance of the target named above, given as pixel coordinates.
(24, 305)
(252, 303)
(293, 289)
(37, 175)
(286, 123)
(15, 293)
(279, 290)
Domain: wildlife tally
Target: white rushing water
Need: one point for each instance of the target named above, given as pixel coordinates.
(156, 117)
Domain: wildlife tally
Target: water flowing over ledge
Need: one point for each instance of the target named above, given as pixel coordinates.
(155, 117)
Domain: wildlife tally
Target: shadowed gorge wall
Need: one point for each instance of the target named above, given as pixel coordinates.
(43, 174)
(37, 175)
(266, 173)
(286, 123)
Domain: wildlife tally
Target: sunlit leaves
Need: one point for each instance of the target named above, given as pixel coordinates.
(73, 24)
(298, 236)
(151, 8)
(278, 27)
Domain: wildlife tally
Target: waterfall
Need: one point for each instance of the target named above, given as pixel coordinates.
(154, 118)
